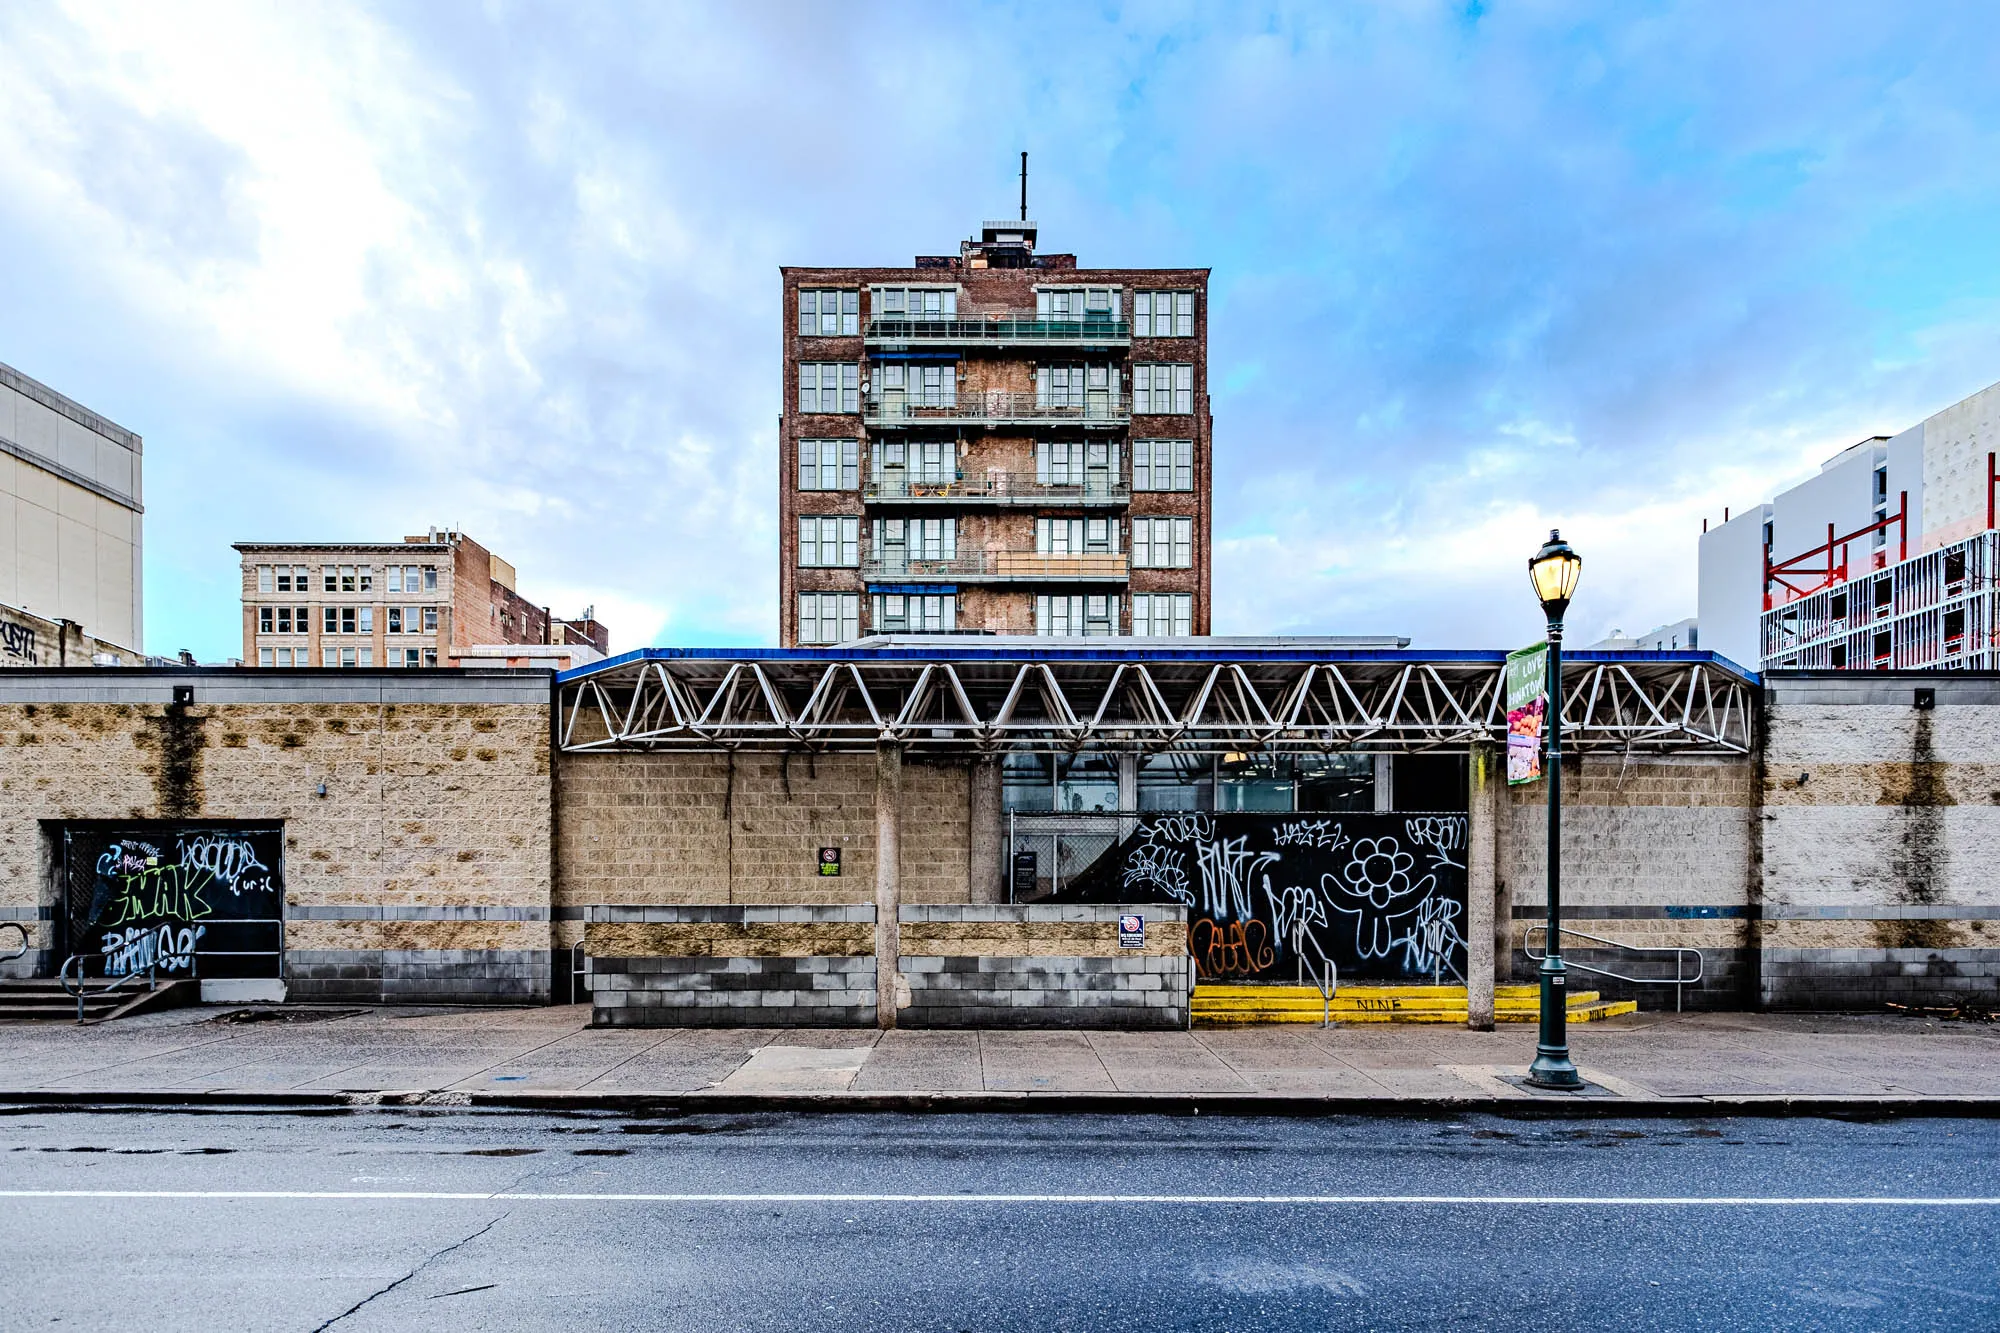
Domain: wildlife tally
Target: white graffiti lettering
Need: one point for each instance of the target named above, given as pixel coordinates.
(1324, 833)
(230, 860)
(1443, 835)
(1226, 868)
(141, 948)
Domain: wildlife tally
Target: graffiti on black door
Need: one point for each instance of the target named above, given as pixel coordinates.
(183, 900)
(1380, 896)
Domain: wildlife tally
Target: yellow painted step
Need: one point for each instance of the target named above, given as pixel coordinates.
(1384, 1004)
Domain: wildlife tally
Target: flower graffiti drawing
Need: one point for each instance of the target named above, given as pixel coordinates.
(1379, 872)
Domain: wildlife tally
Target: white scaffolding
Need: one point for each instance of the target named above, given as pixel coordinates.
(1936, 610)
(957, 697)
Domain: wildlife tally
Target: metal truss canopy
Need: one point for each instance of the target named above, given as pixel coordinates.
(970, 697)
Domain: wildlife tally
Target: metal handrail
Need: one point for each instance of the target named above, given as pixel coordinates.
(1012, 326)
(888, 407)
(1326, 980)
(997, 487)
(1002, 566)
(83, 993)
(1678, 981)
(25, 941)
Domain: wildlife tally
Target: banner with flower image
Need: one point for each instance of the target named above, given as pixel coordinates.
(1527, 708)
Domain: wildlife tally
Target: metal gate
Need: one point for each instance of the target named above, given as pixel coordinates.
(190, 900)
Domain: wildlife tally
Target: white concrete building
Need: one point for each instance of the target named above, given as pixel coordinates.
(71, 519)
(1837, 571)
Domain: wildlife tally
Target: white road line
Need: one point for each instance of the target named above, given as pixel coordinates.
(1279, 1200)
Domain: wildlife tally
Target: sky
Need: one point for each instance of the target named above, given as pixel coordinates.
(1479, 269)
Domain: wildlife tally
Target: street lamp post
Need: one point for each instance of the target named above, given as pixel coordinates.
(1554, 570)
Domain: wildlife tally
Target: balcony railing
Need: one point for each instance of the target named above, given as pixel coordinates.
(1008, 328)
(997, 407)
(996, 488)
(999, 567)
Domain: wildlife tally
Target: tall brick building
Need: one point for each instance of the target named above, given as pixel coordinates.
(439, 599)
(994, 441)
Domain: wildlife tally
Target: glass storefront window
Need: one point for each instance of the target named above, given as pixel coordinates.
(1088, 784)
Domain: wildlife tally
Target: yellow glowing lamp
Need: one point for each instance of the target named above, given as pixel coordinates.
(1554, 571)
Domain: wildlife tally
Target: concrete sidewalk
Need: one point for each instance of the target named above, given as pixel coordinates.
(519, 1056)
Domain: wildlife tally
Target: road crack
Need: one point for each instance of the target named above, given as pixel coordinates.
(428, 1260)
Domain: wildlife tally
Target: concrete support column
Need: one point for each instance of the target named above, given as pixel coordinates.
(986, 835)
(888, 881)
(1486, 773)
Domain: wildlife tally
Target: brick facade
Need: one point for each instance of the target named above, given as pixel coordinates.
(982, 448)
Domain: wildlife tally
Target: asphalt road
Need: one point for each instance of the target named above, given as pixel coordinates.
(381, 1219)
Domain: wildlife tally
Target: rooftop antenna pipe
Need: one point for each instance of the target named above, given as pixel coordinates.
(1024, 187)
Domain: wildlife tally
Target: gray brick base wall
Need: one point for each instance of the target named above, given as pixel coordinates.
(1728, 978)
(1869, 979)
(1044, 992)
(419, 976)
(733, 992)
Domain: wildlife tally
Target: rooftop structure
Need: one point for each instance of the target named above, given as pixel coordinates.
(994, 441)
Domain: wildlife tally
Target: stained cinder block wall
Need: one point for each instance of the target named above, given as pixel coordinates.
(731, 966)
(424, 871)
(643, 830)
(1880, 837)
(1043, 966)
(1656, 852)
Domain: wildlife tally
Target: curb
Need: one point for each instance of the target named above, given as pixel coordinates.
(646, 1104)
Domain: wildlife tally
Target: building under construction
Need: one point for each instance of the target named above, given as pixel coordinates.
(1887, 560)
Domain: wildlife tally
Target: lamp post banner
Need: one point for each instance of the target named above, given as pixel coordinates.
(1527, 712)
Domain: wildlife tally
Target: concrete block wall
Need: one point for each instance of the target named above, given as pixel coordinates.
(1042, 966)
(1657, 852)
(424, 871)
(1881, 828)
(637, 830)
(724, 965)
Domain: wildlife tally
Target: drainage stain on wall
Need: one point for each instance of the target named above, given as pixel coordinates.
(1919, 856)
(176, 739)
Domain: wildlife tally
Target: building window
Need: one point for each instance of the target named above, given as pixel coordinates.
(430, 657)
(367, 578)
(430, 619)
(1076, 536)
(285, 657)
(1074, 386)
(915, 303)
(829, 617)
(367, 623)
(1091, 464)
(292, 620)
(430, 579)
(1091, 615)
(410, 656)
(1162, 543)
(913, 613)
(395, 621)
(395, 584)
(829, 386)
(1162, 388)
(347, 578)
(266, 619)
(1161, 614)
(1078, 303)
(266, 657)
(1163, 315)
(329, 620)
(829, 465)
(1163, 465)
(827, 314)
(329, 657)
(897, 464)
(829, 541)
(264, 578)
(330, 578)
(367, 656)
(898, 386)
(895, 542)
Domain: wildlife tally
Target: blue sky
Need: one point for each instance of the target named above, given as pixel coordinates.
(355, 271)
